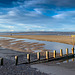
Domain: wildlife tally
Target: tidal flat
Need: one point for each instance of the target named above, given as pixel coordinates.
(13, 46)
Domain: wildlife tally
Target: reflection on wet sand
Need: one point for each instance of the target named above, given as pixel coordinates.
(68, 60)
(21, 45)
(28, 45)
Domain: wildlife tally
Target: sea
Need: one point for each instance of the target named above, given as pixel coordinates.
(38, 33)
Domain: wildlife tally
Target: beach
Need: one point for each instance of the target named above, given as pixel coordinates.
(54, 38)
(49, 68)
(10, 46)
(56, 68)
(9, 67)
(37, 37)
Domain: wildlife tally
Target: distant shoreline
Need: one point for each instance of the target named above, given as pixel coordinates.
(38, 33)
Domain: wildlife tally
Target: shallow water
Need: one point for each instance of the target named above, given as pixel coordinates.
(69, 60)
(48, 45)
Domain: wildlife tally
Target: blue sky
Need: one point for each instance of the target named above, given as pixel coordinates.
(37, 15)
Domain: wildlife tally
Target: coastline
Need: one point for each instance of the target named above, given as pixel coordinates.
(9, 67)
(35, 68)
(52, 38)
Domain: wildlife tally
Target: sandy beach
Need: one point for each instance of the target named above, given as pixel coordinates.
(37, 37)
(54, 38)
(11, 47)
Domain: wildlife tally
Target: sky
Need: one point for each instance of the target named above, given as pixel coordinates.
(37, 15)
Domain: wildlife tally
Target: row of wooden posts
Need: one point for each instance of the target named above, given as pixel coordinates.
(47, 55)
(38, 56)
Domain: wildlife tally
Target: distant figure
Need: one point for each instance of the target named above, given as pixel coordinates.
(11, 34)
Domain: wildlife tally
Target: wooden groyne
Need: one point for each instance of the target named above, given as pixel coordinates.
(47, 58)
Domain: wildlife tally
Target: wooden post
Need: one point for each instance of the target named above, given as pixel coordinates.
(73, 42)
(28, 58)
(1, 61)
(16, 60)
(54, 55)
(67, 60)
(61, 53)
(72, 50)
(67, 54)
(72, 59)
(67, 51)
(47, 55)
(73, 39)
(38, 55)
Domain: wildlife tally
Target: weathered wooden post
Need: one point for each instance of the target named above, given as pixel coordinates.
(72, 59)
(73, 39)
(1, 61)
(72, 50)
(28, 58)
(67, 51)
(16, 60)
(61, 53)
(67, 60)
(38, 55)
(54, 55)
(47, 55)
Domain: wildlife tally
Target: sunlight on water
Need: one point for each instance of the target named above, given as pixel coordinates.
(48, 45)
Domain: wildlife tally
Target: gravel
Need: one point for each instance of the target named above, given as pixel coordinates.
(9, 67)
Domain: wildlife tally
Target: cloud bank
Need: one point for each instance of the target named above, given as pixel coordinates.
(37, 15)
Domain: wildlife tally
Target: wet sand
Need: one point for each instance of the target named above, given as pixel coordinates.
(21, 48)
(21, 45)
(53, 38)
(26, 47)
(49, 68)
(56, 68)
(9, 67)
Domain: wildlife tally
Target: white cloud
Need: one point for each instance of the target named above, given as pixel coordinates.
(37, 11)
(31, 2)
(34, 18)
(6, 26)
(59, 16)
(35, 26)
(51, 3)
(51, 30)
(21, 24)
(11, 13)
(65, 14)
(12, 30)
(5, 30)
